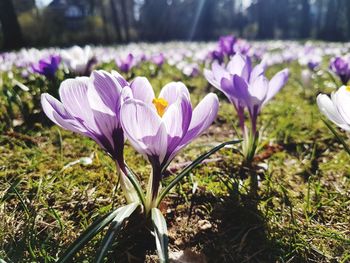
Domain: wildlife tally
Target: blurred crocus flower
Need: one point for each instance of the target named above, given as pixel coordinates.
(306, 76)
(158, 59)
(246, 88)
(229, 46)
(241, 47)
(311, 61)
(341, 67)
(310, 57)
(47, 66)
(159, 128)
(226, 45)
(91, 106)
(125, 64)
(79, 60)
(336, 108)
(191, 70)
(217, 55)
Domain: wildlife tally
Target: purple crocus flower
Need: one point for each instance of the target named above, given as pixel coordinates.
(341, 67)
(47, 66)
(217, 55)
(246, 87)
(125, 64)
(310, 57)
(238, 65)
(91, 106)
(158, 59)
(159, 128)
(241, 47)
(255, 91)
(313, 65)
(226, 45)
(229, 46)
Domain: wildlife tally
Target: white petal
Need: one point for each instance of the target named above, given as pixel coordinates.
(144, 129)
(174, 90)
(327, 108)
(142, 90)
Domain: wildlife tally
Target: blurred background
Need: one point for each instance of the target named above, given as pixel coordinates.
(43, 23)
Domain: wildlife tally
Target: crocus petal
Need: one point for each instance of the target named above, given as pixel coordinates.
(226, 86)
(328, 109)
(236, 64)
(142, 90)
(258, 89)
(126, 94)
(256, 72)
(241, 89)
(177, 120)
(202, 117)
(247, 69)
(174, 90)
(73, 93)
(240, 65)
(56, 112)
(105, 101)
(104, 94)
(276, 83)
(144, 129)
(219, 72)
(341, 99)
(123, 83)
(208, 74)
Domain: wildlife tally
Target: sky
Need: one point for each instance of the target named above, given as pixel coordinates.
(42, 3)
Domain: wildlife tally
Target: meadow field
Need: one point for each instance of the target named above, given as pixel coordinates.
(54, 183)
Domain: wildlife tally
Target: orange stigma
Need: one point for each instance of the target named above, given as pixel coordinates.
(160, 105)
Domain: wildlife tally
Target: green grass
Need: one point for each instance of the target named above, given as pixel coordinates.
(302, 214)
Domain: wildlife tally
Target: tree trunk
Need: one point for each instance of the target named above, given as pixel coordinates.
(125, 20)
(305, 19)
(116, 20)
(265, 19)
(10, 26)
(104, 19)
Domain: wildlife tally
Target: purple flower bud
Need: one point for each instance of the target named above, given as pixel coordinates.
(125, 65)
(340, 66)
(47, 66)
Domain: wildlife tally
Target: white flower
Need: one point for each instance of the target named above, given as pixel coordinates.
(337, 107)
(77, 59)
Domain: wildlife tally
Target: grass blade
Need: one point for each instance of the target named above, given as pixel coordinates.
(190, 167)
(122, 214)
(339, 138)
(10, 190)
(161, 235)
(86, 236)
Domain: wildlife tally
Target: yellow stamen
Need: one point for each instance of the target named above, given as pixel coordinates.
(348, 88)
(160, 105)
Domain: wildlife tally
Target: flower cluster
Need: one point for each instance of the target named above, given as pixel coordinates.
(108, 109)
